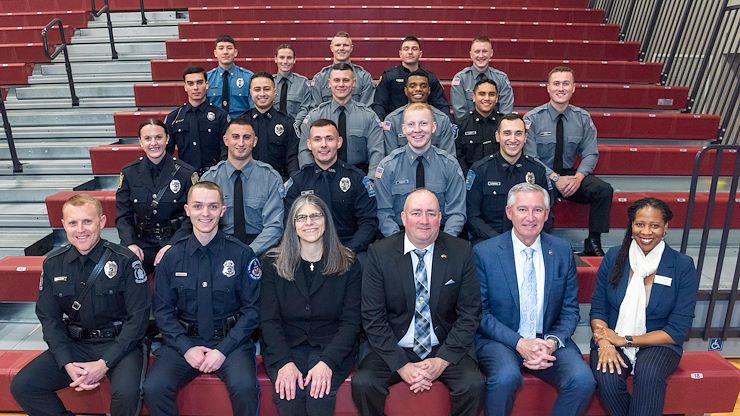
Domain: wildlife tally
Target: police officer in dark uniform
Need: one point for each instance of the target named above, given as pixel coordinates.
(477, 130)
(197, 128)
(489, 180)
(206, 306)
(94, 309)
(347, 190)
(277, 142)
(151, 195)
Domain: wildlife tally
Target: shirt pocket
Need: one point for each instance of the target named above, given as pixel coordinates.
(253, 210)
(400, 191)
(225, 294)
(63, 289)
(357, 144)
(437, 186)
(185, 287)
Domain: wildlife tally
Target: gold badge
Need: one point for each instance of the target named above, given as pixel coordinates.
(530, 178)
(345, 184)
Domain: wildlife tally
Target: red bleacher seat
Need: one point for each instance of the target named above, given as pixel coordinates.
(110, 158)
(15, 74)
(10, 6)
(656, 160)
(571, 215)
(72, 18)
(32, 33)
(20, 278)
(55, 201)
(25, 52)
(587, 278)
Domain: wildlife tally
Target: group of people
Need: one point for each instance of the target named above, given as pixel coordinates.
(321, 238)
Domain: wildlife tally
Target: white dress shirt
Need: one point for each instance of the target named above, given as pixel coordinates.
(408, 248)
(539, 271)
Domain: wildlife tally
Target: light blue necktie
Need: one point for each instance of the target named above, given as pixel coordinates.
(422, 316)
(528, 297)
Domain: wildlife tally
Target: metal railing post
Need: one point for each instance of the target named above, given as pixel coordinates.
(666, 72)
(105, 9)
(17, 166)
(57, 51)
(728, 115)
(650, 30)
(627, 21)
(608, 12)
(707, 57)
(143, 17)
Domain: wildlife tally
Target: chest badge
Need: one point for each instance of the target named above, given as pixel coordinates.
(344, 184)
(239, 82)
(110, 269)
(530, 178)
(211, 116)
(175, 186)
(229, 270)
(279, 129)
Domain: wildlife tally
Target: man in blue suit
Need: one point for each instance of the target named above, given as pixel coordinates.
(530, 309)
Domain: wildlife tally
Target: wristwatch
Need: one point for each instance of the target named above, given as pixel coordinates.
(628, 338)
(555, 177)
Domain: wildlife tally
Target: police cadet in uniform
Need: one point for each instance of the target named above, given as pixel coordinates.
(358, 125)
(477, 129)
(390, 92)
(419, 165)
(206, 306)
(461, 92)
(489, 180)
(345, 189)
(557, 134)
(150, 197)
(253, 190)
(233, 95)
(94, 309)
(197, 128)
(293, 89)
(278, 143)
(417, 91)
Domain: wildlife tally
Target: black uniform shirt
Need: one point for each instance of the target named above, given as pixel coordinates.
(476, 138)
(277, 142)
(198, 134)
(389, 94)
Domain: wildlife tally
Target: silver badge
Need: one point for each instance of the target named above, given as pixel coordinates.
(530, 178)
(110, 269)
(211, 116)
(139, 273)
(279, 129)
(175, 186)
(344, 184)
(239, 82)
(229, 268)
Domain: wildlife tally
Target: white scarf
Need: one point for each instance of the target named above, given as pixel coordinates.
(631, 319)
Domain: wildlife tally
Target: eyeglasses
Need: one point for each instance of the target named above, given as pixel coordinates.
(315, 216)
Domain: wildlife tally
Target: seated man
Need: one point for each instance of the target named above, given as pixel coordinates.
(228, 82)
(417, 91)
(341, 50)
(529, 295)
(419, 165)
(206, 306)
(489, 180)
(420, 310)
(559, 133)
(477, 130)
(292, 89)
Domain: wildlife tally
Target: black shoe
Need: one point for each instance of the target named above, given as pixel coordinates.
(592, 247)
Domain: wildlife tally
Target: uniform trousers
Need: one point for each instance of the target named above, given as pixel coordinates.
(35, 385)
(598, 195)
(171, 372)
(372, 379)
(652, 368)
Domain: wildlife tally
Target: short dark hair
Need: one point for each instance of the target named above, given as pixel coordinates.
(342, 66)
(261, 74)
(561, 68)
(417, 73)
(323, 122)
(485, 81)
(206, 185)
(342, 34)
(152, 122)
(411, 39)
(285, 46)
(482, 38)
(510, 117)
(240, 121)
(225, 38)
(194, 70)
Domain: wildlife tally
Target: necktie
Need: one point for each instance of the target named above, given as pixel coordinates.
(205, 300)
(225, 96)
(557, 164)
(240, 223)
(193, 155)
(422, 316)
(284, 95)
(528, 297)
(481, 76)
(324, 189)
(342, 124)
(419, 172)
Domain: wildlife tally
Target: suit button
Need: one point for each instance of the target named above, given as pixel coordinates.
(308, 307)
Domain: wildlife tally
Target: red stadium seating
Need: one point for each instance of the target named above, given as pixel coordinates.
(656, 160)
(15, 74)
(32, 33)
(73, 18)
(110, 159)
(55, 201)
(26, 52)
(20, 278)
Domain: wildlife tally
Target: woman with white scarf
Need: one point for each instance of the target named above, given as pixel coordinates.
(641, 312)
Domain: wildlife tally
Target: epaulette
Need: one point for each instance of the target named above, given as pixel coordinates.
(118, 249)
(352, 168)
(444, 155)
(58, 251)
(483, 161)
(131, 164)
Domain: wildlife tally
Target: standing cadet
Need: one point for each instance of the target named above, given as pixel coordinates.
(101, 288)
(293, 90)
(419, 165)
(477, 129)
(232, 95)
(559, 133)
(417, 91)
(151, 195)
(481, 52)
(253, 190)
(390, 92)
(359, 126)
(197, 128)
(206, 305)
(345, 189)
(278, 143)
(489, 180)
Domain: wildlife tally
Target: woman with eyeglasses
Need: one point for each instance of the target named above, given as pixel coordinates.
(310, 311)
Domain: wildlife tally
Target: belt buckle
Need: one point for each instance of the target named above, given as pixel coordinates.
(76, 305)
(94, 333)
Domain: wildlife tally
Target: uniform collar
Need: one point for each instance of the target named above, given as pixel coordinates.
(332, 168)
(505, 163)
(94, 254)
(215, 246)
(202, 107)
(411, 155)
(478, 115)
(246, 170)
(256, 113)
(555, 113)
(347, 107)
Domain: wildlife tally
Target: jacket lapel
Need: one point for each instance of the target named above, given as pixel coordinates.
(439, 272)
(509, 268)
(146, 175)
(658, 292)
(406, 272)
(550, 269)
(300, 282)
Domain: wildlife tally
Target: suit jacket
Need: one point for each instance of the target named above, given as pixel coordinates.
(326, 315)
(494, 259)
(670, 308)
(388, 295)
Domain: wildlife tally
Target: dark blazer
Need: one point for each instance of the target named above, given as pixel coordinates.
(494, 260)
(326, 315)
(670, 308)
(388, 295)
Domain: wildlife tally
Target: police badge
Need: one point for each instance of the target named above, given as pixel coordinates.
(344, 184)
(229, 270)
(279, 129)
(530, 178)
(239, 82)
(110, 269)
(211, 116)
(175, 186)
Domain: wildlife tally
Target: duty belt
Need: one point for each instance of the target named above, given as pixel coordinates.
(77, 332)
(220, 331)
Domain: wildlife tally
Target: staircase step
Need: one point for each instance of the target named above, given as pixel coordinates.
(107, 90)
(140, 39)
(15, 241)
(49, 167)
(45, 132)
(32, 215)
(69, 116)
(80, 68)
(153, 17)
(44, 149)
(61, 103)
(106, 77)
(127, 31)
(122, 48)
(35, 188)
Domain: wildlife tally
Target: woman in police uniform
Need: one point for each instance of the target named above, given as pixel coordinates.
(150, 197)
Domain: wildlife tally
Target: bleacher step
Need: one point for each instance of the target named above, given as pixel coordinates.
(31, 214)
(89, 78)
(35, 188)
(141, 39)
(107, 57)
(61, 103)
(44, 132)
(108, 89)
(152, 17)
(43, 149)
(14, 241)
(122, 34)
(49, 167)
(122, 48)
(104, 66)
(657, 183)
(70, 116)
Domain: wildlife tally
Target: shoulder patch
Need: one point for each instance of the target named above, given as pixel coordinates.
(386, 125)
(41, 282)
(194, 178)
(460, 172)
(455, 131)
(369, 186)
(255, 269)
(527, 123)
(288, 184)
(139, 273)
(120, 180)
(469, 179)
(307, 119)
(378, 172)
(455, 81)
(282, 190)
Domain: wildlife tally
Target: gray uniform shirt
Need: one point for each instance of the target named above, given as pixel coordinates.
(263, 201)
(461, 91)
(579, 137)
(365, 141)
(362, 93)
(299, 93)
(444, 138)
(395, 179)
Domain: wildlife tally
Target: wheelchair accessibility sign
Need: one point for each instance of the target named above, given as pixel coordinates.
(715, 344)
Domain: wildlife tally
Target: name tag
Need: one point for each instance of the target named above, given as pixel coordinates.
(181, 274)
(471, 132)
(400, 80)
(546, 133)
(494, 183)
(487, 142)
(307, 192)
(60, 279)
(402, 181)
(662, 280)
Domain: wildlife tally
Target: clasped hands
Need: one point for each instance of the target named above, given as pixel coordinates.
(204, 359)
(420, 375)
(609, 357)
(87, 375)
(568, 185)
(289, 376)
(537, 353)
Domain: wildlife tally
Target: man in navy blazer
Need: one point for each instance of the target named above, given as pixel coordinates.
(529, 298)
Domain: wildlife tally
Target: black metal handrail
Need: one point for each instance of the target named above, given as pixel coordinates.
(59, 49)
(141, 8)
(105, 9)
(17, 166)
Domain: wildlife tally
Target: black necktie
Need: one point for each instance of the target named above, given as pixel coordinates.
(324, 191)
(343, 132)
(205, 300)
(420, 172)
(482, 76)
(284, 95)
(557, 164)
(240, 224)
(225, 92)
